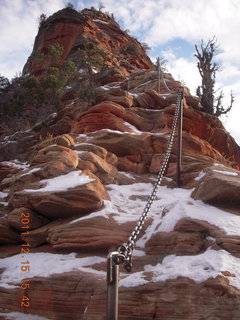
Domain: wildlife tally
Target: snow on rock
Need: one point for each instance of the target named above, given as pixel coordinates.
(199, 268)
(3, 194)
(16, 164)
(31, 171)
(200, 176)
(100, 21)
(130, 126)
(63, 182)
(57, 263)
(21, 316)
(128, 202)
(227, 173)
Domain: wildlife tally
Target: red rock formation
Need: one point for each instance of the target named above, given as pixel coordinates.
(68, 27)
(185, 264)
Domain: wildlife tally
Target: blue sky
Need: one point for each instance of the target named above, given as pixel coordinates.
(170, 27)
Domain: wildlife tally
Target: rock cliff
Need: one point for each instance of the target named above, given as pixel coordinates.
(74, 186)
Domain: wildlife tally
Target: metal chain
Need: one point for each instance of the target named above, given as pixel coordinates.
(125, 251)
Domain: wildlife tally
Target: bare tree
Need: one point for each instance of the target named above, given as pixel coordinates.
(208, 69)
(100, 6)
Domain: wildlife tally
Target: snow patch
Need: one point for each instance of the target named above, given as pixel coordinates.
(218, 165)
(3, 194)
(199, 268)
(200, 176)
(63, 182)
(227, 173)
(16, 164)
(21, 316)
(128, 202)
(131, 127)
(100, 21)
(5, 204)
(31, 171)
(44, 265)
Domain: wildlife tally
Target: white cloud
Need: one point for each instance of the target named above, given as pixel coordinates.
(18, 28)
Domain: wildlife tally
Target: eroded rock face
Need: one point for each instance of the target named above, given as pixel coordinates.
(220, 186)
(35, 220)
(69, 27)
(85, 175)
(56, 203)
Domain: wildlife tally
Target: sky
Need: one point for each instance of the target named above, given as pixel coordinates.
(170, 27)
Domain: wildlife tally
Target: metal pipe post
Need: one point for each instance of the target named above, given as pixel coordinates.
(112, 285)
(179, 146)
(158, 75)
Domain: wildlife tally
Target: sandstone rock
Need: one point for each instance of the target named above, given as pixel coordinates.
(180, 298)
(116, 95)
(53, 153)
(194, 225)
(20, 180)
(150, 99)
(9, 150)
(6, 169)
(90, 234)
(48, 162)
(128, 130)
(35, 220)
(7, 234)
(63, 202)
(39, 236)
(231, 244)
(122, 144)
(64, 140)
(62, 126)
(220, 239)
(104, 171)
(68, 28)
(219, 186)
(106, 115)
(109, 75)
(99, 151)
(55, 160)
(178, 243)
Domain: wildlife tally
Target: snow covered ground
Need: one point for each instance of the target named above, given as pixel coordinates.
(21, 316)
(127, 204)
(199, 268)
(128, 201)
(56, 263)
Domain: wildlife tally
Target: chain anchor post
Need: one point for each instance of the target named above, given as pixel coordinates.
(179, 141)
(113, 260)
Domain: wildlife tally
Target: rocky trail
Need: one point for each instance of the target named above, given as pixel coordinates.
(74, 186)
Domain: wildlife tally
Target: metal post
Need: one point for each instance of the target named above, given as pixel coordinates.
(158, 75)
(179, 146)
(112, 285)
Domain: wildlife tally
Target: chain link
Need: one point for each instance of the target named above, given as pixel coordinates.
(127, 248)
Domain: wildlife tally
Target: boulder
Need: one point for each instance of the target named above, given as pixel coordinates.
(7, 234)
(178, 243)
(55, 160)
(86, 194)
(106, 115)
(64, 140)
(98, 233)
(116, 95)
(103, 170)
(219, 186)
(122, 144)
(99, 151)
(35, 220)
